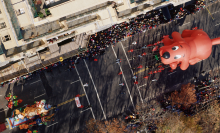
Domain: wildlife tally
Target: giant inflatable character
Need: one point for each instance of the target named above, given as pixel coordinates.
(189, 48)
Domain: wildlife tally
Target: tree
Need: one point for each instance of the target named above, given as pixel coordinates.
(185, 97)
(111, 126)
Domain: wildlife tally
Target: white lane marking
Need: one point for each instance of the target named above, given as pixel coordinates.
(74, 82)
(84, 110)
(217, 24)
(35, 82)
(84, 90)
(215, 12)
(131, 72)
(171, 73)
(95, 89)
(124, 78)
(39, 95)
(186, 23)
(142, 85)
(4, 110)
(52, 124)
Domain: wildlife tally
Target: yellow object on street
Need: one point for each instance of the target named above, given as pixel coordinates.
(61, 59)
(67, 101)
(209, 13)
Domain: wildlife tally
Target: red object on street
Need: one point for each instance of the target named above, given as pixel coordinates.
(155, 44)
(81, 106)
(136, 82)
(155, 71)
(144, 53)
(132, 50)
(7, 98)
(73, 66)
(119, 73)
(19, 100)
(150, 72)
(146, 77)
(140, 66)
(158, 42)
(159, 71)
(155, 48)
(149, 45)
(95, 59)
(195, 28)
(77, 95)
(160, 66)
(171, 70)
(9, 106)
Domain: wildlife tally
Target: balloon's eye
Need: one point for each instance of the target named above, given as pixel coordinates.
(177, 57)
(175, 48)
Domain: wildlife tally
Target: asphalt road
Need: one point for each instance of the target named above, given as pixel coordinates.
(103, 91)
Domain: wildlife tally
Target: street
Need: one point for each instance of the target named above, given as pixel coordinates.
(103, 91)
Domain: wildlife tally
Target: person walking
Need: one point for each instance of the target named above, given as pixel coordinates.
(86, 85)
(121, 84)
(134, 77)
(154, 80)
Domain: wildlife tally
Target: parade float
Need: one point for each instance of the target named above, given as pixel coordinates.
(30, 115)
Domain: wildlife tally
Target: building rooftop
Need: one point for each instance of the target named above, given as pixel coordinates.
(22, 12)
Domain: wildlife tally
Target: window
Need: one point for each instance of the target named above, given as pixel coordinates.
(2, 25)
(6, 38)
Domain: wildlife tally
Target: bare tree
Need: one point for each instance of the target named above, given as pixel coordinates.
(185, 97)
(111, 126)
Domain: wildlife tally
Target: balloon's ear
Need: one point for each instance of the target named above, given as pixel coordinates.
(184, 65)
(167, 41)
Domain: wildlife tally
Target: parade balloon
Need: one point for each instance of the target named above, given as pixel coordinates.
(189, 48)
